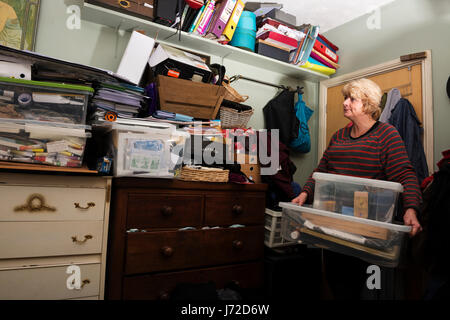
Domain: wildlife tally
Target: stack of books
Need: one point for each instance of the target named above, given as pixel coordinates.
(121, 99)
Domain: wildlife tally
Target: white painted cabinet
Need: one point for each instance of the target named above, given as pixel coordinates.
(53, 236)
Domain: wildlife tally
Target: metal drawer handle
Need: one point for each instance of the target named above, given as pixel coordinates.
(89, 205)
(35, 203)
(238, 244)
(124, 3)
(86, 238)
(237, 209)
(167, 251)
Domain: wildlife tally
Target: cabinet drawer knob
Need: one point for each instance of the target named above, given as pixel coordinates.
(35, 203)
(237, 209)
(167, 251)
(86, 238)
(167, 211)
(238, 244)
(89, 205)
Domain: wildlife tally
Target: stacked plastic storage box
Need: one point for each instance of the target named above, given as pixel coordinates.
(350, 215)
(153, 150)
(43, 122)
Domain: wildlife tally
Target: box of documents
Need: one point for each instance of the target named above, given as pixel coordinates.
(376, 242)
(166, 60)
(195, 99)
(140, 8)
(149, 150)
(44, 143)
(359, 197)
(272, 51)
(43, 101)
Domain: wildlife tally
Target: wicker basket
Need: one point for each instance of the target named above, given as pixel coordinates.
(231, 118)
(204, 174)
(232, 94)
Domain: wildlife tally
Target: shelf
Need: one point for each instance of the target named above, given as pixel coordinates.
(167, 35)
(38, 167)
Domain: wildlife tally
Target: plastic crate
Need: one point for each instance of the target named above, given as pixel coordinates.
(272, 232)
(380, 243)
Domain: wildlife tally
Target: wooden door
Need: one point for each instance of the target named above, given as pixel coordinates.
(407, 79)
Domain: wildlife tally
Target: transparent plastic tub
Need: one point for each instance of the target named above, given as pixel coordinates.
(376, 242)
(152, 151)
(60, 145)
(359, 197)
(43, 101)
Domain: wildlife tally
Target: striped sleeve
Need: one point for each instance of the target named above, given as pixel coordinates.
(398, 168)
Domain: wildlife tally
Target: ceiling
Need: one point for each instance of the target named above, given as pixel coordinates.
(328, 14)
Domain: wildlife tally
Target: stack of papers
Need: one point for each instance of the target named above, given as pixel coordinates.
(124, 100)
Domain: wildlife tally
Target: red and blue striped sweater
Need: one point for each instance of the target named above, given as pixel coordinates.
(378, 154)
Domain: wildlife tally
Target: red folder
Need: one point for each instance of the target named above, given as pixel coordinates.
(334, 47)
(323, 49)
(279, 39)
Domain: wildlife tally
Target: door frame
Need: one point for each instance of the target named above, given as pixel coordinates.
(427, 100)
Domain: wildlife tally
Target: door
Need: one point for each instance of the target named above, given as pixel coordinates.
(412, 78)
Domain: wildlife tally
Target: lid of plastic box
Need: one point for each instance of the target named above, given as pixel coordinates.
(53, 85)
(395, 186)
(21, 122)
(385, 225)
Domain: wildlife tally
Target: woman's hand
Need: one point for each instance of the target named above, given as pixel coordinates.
(301, 199)
(410, 219)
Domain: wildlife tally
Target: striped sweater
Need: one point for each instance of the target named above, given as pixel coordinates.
(378, 154)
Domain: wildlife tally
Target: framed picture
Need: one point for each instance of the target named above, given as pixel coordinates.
(18, 21)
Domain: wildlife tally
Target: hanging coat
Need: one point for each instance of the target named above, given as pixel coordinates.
(303, 142)
(405, 120)
(279, 113)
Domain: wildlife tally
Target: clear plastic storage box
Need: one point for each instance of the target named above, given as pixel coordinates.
(43, 101)
(359, 197)
(45, 143)
(376, 242)
(272, 232)
(155, 150)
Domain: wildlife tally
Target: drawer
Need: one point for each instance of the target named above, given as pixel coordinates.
(40, 239)
(48, 283)
(164, 211)
(28, 203)
(169, 250)
(234, 209)
(234, 244)
(160, 286)
(172, 250)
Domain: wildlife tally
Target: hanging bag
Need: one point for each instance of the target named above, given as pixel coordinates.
(303, 142)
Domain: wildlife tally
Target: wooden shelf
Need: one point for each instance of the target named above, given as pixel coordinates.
(38, 167)
(191, 42)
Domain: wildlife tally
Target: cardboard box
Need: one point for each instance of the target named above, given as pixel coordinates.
(141, 8)
(179, 63)
(272, 51)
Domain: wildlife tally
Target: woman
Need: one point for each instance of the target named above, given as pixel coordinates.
(368, 149)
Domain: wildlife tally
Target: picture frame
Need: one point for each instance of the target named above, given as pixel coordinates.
(18, 23)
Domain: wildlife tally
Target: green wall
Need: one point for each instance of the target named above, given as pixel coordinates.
(406, 26)
(100, 46)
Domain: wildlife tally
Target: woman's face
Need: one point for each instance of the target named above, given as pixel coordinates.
(353, 108)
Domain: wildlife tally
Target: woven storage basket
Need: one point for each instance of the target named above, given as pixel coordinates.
(205, 175)
(231, 118)
(231, 94)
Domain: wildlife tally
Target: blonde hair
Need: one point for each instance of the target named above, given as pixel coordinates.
(369, 93)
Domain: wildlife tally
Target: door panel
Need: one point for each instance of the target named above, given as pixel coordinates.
(407, 79)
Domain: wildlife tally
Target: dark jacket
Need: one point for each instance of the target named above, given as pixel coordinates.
(279, 113)
(405, 120)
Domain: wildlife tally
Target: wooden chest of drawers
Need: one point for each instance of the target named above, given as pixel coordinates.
(149, 254)
(48, 223)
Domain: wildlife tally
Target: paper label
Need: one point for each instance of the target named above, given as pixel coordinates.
(57, 146)
(237, 14)
(226, 14)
